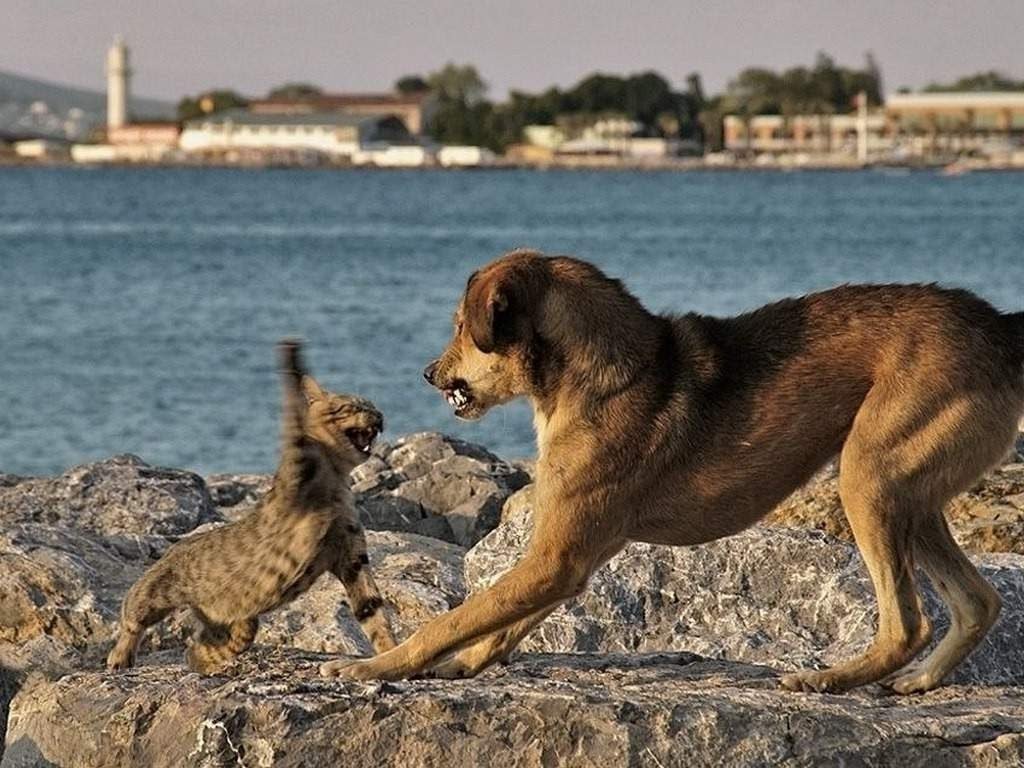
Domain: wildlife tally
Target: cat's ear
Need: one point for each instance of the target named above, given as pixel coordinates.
(312, 390)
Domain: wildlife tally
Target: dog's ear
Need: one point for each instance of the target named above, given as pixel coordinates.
(489, 305)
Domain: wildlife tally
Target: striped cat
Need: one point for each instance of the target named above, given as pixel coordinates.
(306, 524)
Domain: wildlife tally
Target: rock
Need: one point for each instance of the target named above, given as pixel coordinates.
(386, 512)
(230, 491)
(119, 496)
(64, 590)
(419, 578)
(72, 545)
(988, 518)
(427, 483)
(436, 486)
(661, 710)
(742, 598)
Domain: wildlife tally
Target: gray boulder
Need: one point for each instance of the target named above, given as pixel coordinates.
(426, 483)
(121, 496)
(785, 597)
(436, 486)
(658, 710)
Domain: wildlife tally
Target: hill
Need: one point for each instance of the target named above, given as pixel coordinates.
(33, 108)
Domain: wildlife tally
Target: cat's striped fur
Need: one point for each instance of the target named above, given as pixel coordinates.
(306, 524)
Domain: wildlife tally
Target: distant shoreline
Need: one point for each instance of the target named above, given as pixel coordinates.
(575, 164)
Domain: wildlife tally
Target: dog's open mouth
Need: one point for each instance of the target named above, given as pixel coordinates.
(362, 438)
(459, 397)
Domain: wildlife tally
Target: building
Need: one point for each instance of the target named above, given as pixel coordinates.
(41, 149)
(332, 134)
(835, 135)
(912, 125)
(127, 141)
(118, 75)
(456, 156)
(141, 142)
(609, 135)
(988, 123)
(395, 156)
(414, 109)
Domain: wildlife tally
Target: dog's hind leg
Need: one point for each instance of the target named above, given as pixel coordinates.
(880, 527)
(883, 510)
(973, 606)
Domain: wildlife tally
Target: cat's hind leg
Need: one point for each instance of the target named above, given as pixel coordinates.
(144, 605)
(219, 644)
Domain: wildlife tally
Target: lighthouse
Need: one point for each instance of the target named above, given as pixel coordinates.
(118, 74)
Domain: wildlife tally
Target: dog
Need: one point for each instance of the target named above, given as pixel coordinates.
(684, 429)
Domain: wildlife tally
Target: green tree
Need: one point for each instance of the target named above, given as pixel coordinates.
(295, 91)
(411, 84)
(456, 83)
(991, 80)
(209, 102)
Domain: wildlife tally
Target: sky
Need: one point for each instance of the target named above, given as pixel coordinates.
(185, 46)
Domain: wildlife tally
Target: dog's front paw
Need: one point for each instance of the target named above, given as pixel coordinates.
(452, 669)
(119, 660)
(813, 681)
(349, 670)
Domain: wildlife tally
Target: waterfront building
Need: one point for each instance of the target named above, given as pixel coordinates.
(395, 156)
(835, 135)
(118, 76)
(127, 140)
(984, 123)
(608, 135)
(41, 149)
(414, 109)
(941, 125)
(331, 134)
(464, 157)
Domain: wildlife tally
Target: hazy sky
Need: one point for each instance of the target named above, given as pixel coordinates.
(184, 46)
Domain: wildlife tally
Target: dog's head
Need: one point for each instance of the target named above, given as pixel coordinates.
(488, 360)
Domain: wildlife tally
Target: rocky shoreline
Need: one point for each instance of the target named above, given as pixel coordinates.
(613, 678)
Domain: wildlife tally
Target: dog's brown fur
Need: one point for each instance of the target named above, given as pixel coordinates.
(680, 430)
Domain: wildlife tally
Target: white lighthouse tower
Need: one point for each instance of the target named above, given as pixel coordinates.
(118, 75)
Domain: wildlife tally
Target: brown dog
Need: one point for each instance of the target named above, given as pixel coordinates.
(680, 430)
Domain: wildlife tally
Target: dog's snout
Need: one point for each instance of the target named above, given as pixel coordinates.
(429, 371)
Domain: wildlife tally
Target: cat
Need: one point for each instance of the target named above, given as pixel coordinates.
(305, 525)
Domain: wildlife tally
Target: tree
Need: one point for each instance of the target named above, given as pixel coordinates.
(209, 102)
(455, 83)
(295, 91)
(991, 80)
(410, 84)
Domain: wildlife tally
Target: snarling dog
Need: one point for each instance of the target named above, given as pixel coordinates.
(681, 430)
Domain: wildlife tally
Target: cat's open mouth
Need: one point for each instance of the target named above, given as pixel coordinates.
(362, 438)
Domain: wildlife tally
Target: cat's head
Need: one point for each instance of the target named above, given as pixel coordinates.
(344, 424)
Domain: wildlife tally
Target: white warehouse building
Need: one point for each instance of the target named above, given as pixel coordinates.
(337, 134)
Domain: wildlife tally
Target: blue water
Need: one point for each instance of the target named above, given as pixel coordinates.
(139, 307)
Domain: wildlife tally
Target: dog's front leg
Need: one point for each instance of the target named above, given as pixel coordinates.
(536, 583)
(498, 646)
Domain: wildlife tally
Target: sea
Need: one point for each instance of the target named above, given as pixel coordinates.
(139, 307)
